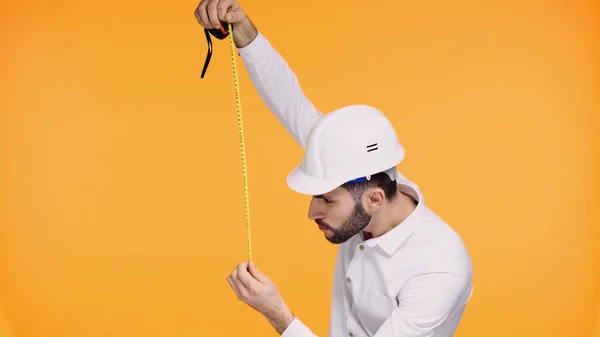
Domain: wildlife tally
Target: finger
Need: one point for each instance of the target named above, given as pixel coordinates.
(245, 278)
(234, 286)
(222, 9)
(201, 14)
(257, 274)
(231, 284)
(213, 17)
(238, 287)
(235, 276)
(242, 273)
(197, 15)
(234, 16)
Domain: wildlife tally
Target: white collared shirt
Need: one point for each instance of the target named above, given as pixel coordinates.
(413, 281)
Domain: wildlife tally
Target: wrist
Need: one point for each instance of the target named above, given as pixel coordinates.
(280, 319)
(244, 33)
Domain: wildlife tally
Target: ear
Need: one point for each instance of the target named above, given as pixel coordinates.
(374, 199)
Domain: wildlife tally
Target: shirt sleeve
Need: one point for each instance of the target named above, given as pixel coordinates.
(279, 89)
(425, 304)
(297, 329)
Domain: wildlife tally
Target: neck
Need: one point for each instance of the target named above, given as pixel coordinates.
(391, 216)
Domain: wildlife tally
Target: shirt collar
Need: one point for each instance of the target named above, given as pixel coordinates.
(392, 240)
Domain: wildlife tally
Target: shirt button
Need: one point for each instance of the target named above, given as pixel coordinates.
(361, 247)
(351, 334)
(348, 280)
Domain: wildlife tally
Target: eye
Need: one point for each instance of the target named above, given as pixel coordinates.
(324, 198)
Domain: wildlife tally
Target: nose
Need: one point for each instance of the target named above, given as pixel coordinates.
(315, 211)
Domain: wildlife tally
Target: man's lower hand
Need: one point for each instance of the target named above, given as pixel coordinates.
(254, 288)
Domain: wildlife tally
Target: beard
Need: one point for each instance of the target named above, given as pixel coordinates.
(356, 222)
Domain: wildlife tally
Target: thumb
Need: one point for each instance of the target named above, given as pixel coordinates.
(234, 16)
(256, 273)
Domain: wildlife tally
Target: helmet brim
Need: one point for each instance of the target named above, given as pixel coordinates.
(302, 183)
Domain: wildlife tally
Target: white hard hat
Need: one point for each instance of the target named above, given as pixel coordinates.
(351, 143)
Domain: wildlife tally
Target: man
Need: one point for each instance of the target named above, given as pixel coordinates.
(401, 271)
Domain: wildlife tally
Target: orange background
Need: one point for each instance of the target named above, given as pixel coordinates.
(121, 191)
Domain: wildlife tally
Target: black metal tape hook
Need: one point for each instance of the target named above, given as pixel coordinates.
(219, 33)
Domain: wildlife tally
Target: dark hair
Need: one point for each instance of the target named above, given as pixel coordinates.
(381, 180)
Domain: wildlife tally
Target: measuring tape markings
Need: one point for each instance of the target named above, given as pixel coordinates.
(221, 33)
(242, 143)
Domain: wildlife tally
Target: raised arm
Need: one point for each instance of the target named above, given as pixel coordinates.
(274, 80)
(277, 85)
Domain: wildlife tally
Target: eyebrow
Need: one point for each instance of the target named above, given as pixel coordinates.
(321, 196)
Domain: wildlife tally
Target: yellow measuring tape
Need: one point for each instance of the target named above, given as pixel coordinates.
(242, 144)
